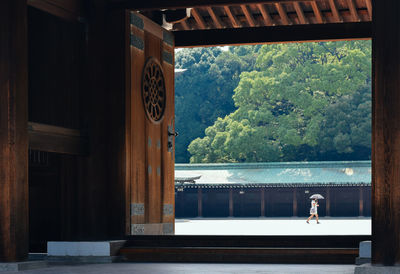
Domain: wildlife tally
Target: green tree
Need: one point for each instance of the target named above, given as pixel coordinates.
(282, 105)
(204, 91)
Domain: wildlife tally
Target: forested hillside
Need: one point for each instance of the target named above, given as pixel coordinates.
(289, 102)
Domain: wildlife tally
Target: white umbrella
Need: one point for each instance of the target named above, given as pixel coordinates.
(317, 196)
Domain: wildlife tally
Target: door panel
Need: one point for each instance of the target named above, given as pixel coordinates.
(150, 110)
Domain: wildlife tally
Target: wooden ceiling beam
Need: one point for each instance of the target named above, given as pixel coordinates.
(369, 8)
(299, 11)
(57, 139)
(180, 4)
(234, 21)
(265, 14)
(282, 13)
(335, 11)
(277, 34)
(317, 12)
(353, 11)
(215, 18)
(199, 19)
(71, 10)
(184, 25)
(248, 15)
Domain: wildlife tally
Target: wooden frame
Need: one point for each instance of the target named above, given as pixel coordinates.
(57, 139)
(67, 9)
(277, 34)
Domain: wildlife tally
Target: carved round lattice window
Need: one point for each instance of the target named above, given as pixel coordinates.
(153, 90)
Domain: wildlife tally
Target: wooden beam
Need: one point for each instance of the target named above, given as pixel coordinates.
(369, 8)
(57, 139)
(300, 13)
(14, 192)
(179, 4)
(385, 133)
(328, 202)
(282, 13)
(199, 19)
(248, 15)
(230, 202)
(317, 12)
(353, 11)
(335, 11)
(278, 34)
(215, 18)
(361, 202)
(265, 14)
(185, 25)
(71, 10)
(199, 202)
(295, 213)
(234, 21)
(262, 200)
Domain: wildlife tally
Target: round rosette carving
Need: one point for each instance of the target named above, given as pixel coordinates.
(153, 90)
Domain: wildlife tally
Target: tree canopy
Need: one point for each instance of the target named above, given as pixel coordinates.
(204, 91)
(296, 102)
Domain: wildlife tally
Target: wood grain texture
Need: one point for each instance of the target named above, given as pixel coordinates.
(386, 133)
(283, 15)
(234, 21)
(179, 4)
(353, 10)
(369, 8)
(317, 12)
(151, 165)
(265, 14)
(13, 131)
(335, 11)
(248, 15)
(57, 139)
(199, 19)
(300, 13)
(216, 20)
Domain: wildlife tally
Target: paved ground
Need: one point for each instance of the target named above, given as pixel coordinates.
(165, 268)
(271, 226)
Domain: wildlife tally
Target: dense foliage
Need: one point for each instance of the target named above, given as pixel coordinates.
(204, 91)
(292, 102)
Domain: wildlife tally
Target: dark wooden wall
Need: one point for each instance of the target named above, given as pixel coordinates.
(56, 73)
(76, 80)
(386, 133)
(13, 131)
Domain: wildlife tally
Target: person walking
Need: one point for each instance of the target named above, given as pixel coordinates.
(313, 210)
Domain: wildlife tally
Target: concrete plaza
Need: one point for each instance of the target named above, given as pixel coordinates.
(273, 226)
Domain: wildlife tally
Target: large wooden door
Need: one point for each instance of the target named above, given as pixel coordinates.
(150, 127)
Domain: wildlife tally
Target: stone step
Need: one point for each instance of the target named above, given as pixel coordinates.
(240, 255)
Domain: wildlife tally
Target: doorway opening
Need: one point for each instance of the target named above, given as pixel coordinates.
(262, 128)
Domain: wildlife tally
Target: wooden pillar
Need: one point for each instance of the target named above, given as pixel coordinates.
(14, 229)
(199, 202)
(328, 202)
(361, 202)
(262, 202)
(230, 202)
(294, 202)
(386, 133)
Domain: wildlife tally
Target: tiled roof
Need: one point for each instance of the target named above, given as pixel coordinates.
(293, 173)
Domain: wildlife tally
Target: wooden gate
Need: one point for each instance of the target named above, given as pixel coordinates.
(150, 127)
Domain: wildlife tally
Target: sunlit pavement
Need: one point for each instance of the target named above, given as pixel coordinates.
(273, 226)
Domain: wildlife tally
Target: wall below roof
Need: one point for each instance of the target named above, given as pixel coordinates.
(254, 202)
